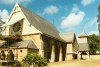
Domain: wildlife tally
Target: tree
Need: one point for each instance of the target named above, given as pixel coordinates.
(98, 13)
(98, 20)
(35, 60)
(94, 43)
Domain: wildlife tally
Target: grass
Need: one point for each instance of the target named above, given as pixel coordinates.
(76, 63)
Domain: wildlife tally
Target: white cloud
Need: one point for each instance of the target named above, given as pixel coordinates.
(87, 2)
(4, 14)
(91, 22)
(73, 19)
(51, 10)
(94, 32)
(91, 25)
(14, 1)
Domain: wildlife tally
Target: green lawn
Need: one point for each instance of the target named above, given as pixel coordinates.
(76, 63)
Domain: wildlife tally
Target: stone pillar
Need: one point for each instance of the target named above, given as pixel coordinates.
(6, 53)
(17, 55)
(66, 53)
(88, 56)
(79, 56)
(60, 54)
(42, 53)
(41, 50)
(52, 54)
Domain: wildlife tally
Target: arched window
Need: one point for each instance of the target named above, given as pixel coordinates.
(2, 55)
(10, 55)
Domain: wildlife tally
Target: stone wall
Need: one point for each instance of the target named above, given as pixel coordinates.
(72, 49)
(69, 57)
(21, 54)
(69, 48)
(95, 57)
(82, 40)
(36, 38)
(91, 57)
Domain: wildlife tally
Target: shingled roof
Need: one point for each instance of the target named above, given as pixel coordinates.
(21, 44)
(41, 24)
(83, 47)
(25, 44)
(68, 37)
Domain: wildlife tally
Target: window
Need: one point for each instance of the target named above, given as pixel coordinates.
(21, 51)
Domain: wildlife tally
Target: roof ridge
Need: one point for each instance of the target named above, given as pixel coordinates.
(67, 32)
(40, 23)
(83, 34)
(38, 16)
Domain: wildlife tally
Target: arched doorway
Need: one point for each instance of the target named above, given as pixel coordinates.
(47, 48)
(2, 55)
(57, 50)
(10, 55)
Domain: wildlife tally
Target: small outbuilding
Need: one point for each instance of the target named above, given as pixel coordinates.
(83, 46)
(72, 45)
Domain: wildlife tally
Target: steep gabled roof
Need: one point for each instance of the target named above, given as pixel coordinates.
(83, 34)
(41, 24)
(26, 44)
(21, 44)
(68, 37)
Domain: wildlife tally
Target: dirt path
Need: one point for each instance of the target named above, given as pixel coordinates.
(76, 63)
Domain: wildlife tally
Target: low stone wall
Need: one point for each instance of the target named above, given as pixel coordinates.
(96, 57)
(92, 57)
(69, 57)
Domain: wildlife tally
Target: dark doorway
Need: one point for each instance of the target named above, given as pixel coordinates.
(74, 56)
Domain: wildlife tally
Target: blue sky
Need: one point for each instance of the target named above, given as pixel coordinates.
(66, 15)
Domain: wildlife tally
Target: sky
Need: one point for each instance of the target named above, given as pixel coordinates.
(66, 15)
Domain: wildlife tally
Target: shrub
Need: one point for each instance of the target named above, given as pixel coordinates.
(35, 60)
(17, 64)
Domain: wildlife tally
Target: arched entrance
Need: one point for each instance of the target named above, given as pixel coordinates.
(2, 55)
(47, 47)
(10, 55)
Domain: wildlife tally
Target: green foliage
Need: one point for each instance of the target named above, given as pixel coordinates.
(99, 8)
(34, 59)
(11, 39)
(94, 43)
(98, 13)
(17, 64)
